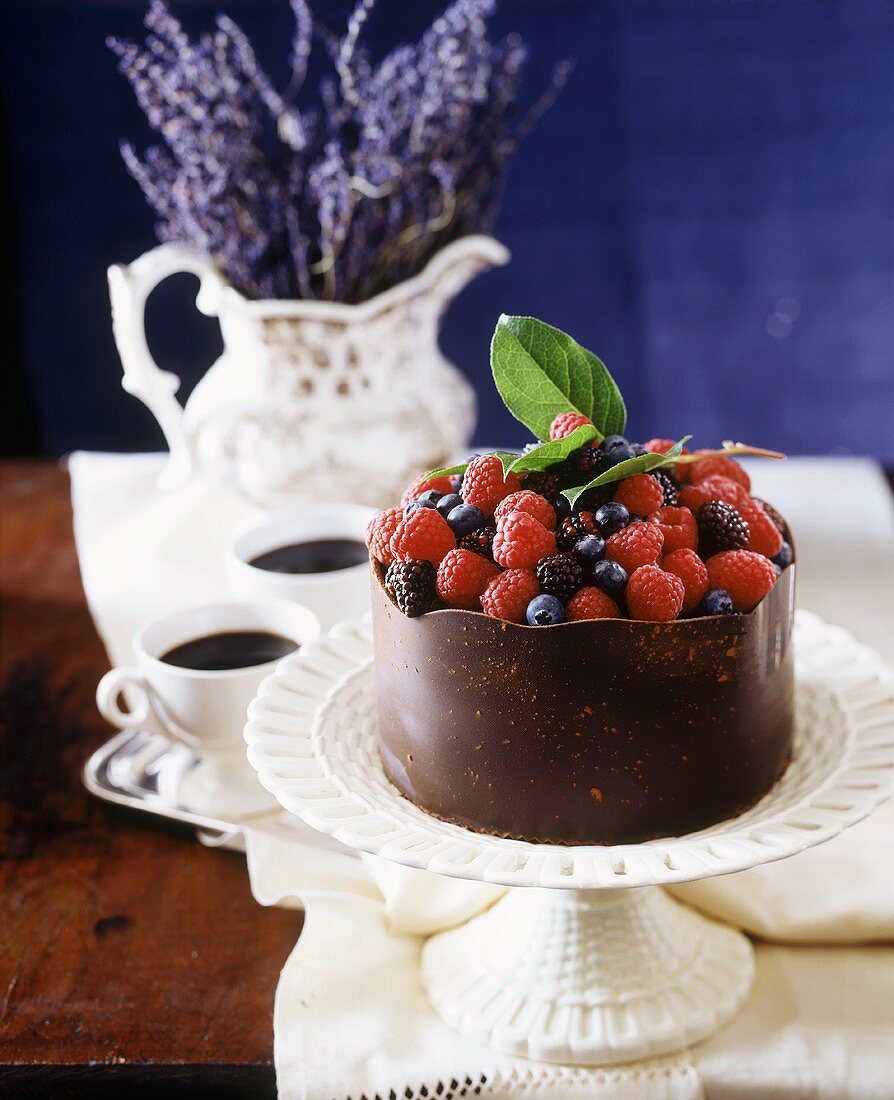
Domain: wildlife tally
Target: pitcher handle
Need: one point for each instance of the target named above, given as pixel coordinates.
(129, 287)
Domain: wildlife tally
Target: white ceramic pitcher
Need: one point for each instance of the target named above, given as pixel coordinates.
(310, 400)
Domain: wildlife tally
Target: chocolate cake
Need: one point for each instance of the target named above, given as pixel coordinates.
(588, 641)
(595, 732)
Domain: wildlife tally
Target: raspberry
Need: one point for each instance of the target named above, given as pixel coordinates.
(765, 537)
(422, 534)
(636, 545)
(591, 603)
(678, 527)
(640, 494)
(574, 528)
(692, 571)
(532, 503)
(668, 485)
(719, 464)
(723, 488)
(412, 586)
(507, 596)
(654, 595)
(776, 517)
(423, 484)
(484, 484)
(559, 576)
(566, 423)
(520, 541)
(720, 527)
(661, 447)
(379, 531)
(480, 541)
(747, 576)
(462, 577)
(693, 497)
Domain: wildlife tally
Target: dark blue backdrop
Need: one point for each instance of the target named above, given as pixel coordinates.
(709, 206)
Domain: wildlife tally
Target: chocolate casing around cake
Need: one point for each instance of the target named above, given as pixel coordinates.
(596, 732)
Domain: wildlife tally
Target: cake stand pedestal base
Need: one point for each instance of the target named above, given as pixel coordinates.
(588, 976)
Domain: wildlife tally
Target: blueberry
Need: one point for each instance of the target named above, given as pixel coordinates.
(429, 499)
(638, 450)
(784, 558)
(610, 577)
(545, 611)
(448, 502)
(617, 449)
(716, 602)
(414, 506)
(562, 506)
(589, 550)
(611, 517)
(464, 519)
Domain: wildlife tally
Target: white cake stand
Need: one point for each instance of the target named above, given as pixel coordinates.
(591, 964)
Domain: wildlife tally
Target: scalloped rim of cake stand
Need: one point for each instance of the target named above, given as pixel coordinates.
(311, 739)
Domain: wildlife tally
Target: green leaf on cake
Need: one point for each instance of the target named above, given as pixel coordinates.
(642, 464)
(541, 372)
(548, 454)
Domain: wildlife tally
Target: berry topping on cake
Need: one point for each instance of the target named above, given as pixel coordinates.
(462, 577)
(720, 527)
(591, 603)
(560, 575)
(411, 585)
(746, 575)
(636, 545)
(422, 534)
(545, 611)
(423, 484)
(532, 503)
(692, 571)
(566, 423)
(481, 541)
(574, 528)
(507, 596)
(611, 517)
(582, 522)
(640, 494)
(654, 595)
(678, 527)
(520, 541)
(379, 531)
(485, 484)
(610, 577)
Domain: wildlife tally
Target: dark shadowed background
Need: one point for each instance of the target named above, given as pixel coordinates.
(709, 206)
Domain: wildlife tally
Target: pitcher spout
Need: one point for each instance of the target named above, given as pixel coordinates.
(459, 262)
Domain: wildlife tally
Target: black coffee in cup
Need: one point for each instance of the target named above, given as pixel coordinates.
(312, 556)
(229, 649)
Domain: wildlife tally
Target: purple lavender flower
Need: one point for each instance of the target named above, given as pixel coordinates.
(349, 196)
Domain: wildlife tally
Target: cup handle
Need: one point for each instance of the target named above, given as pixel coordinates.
(146, 711)
(129, 287)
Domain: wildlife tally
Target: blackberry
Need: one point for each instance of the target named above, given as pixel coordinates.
(544, 482)
(559, 576)
(591, 462)
(411, 584)
(668, 485)
(720, 527)
(778, 520)
(480, 541)
(574, 527)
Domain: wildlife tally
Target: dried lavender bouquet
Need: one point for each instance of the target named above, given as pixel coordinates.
(349, 196)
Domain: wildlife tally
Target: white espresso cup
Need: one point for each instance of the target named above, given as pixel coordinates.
(332, 596)
(202, 709)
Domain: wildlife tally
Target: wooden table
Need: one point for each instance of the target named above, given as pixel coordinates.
(130, 956)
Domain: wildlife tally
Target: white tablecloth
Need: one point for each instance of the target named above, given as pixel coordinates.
(351, 1017)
